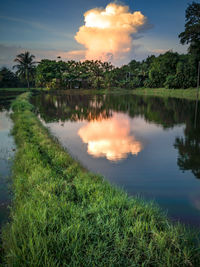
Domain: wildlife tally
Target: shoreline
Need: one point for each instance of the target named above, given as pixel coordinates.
(190, 94)
(64, 215)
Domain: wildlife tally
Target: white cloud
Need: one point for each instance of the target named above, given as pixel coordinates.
(108, 34)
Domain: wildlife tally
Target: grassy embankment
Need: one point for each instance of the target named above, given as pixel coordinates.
(63, 215)
(190, 93)
(162, 92)
(18, 89)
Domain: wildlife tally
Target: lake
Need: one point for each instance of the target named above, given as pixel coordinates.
(149, 146)
(7, 148)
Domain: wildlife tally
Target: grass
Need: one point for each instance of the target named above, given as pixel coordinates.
(62, 215)
(22, 90)
(14, 89)
(190, 93)
(162, 92)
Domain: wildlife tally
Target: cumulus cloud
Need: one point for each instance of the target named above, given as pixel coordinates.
(110, 138)
(108, 33)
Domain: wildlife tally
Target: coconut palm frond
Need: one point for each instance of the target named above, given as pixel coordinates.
(26, 65)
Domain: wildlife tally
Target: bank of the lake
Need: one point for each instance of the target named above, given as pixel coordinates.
(17, 89)
(7, 150)
(162, 92)
(190, 93)
(63, 215)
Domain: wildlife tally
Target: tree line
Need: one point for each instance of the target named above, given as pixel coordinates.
(169, 70)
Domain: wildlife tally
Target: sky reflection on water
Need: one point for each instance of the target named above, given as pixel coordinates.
(110, 138)
(6, 155)
(148, 146)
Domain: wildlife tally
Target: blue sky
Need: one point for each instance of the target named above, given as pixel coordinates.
(45, 26)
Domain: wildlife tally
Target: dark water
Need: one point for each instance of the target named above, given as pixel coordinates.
(7, 148)
(149, 146)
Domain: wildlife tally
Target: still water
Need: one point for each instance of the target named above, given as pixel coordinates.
(7, 148)
(148, 146)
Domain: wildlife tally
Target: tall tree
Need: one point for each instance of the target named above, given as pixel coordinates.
(25, 66)
(191, 35)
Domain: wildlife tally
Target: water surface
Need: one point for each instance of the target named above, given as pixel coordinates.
(7, 148)
(148, 146)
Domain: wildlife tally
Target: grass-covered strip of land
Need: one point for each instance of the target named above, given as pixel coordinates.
(63, 215)
(190, 93)
(19, 89)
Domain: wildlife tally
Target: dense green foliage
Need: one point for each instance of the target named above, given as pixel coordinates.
(191, 35)
(72, 74)
(169, 70)
(8, 79)
(64, 216)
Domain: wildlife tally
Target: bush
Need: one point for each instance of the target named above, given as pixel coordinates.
(171, 82)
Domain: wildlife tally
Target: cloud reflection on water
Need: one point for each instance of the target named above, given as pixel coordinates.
(110, 138)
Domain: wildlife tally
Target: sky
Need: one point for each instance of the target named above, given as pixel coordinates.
(49, 28)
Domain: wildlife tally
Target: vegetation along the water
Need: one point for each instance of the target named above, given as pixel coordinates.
(62, 215)
(169, 70)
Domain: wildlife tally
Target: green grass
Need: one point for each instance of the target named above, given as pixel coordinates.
(14, 89)
(190, 93)
(162, 92)
(22, 90)
(62, 215)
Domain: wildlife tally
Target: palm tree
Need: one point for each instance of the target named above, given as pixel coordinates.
(25, 66)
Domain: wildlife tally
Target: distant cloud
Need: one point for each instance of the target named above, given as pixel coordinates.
(36, 25)
(159, 51)
(73, 55)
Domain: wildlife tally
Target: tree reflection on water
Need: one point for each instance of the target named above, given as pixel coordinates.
(111, 138)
